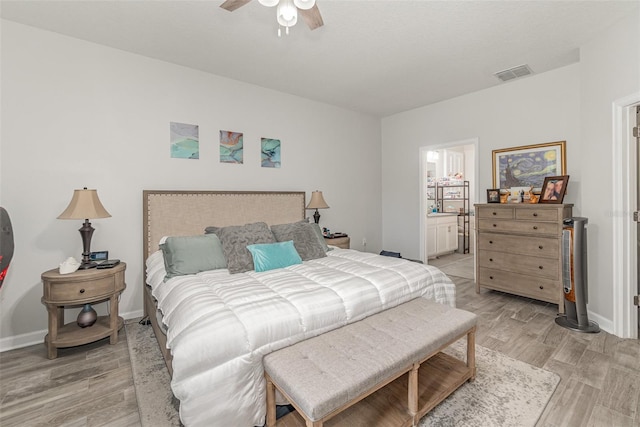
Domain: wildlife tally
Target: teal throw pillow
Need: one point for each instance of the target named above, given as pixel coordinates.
(192, 254)
(269, 256)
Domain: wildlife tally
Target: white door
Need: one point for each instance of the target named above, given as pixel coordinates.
(636, 132)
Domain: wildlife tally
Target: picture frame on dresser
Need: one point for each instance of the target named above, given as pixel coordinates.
(493, 195)
(554, 189)
(528, 165)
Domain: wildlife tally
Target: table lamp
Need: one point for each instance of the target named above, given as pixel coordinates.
(317, 202)
(86, 205)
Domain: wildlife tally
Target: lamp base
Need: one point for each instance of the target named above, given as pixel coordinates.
(316, 216)
(87, 265)
(86, 231)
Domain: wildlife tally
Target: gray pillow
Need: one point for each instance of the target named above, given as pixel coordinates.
(323, 243)
(192, 254)
(235, 240)
(304, 239)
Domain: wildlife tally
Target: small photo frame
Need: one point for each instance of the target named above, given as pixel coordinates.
(553, 189)
(493, 195)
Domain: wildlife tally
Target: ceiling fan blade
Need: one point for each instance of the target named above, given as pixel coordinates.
(232, 5)
(311, 17)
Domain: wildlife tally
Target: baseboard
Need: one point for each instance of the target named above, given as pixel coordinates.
(37, 337)
(604, 323)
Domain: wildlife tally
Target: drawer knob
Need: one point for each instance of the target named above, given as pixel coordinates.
(491, 259)
(491, 277)
(535, 227)
(495, 225)
(82, 291)
(491, 242)
(535, 214)
(540, 247)
(493, 213)
(541, 287)
(540, 267)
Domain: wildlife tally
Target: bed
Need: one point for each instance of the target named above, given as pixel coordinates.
(214, 327)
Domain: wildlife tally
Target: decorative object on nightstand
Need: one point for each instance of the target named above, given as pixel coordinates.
(317, 202)
(87, 316)
(82, 288)
(86, 205)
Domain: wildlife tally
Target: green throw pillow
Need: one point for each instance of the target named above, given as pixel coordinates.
(192, 254)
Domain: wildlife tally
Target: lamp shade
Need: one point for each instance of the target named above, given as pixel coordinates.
(268, 3)
(317, 201)
(85, 204)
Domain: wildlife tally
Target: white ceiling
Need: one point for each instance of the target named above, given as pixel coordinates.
(376, 57)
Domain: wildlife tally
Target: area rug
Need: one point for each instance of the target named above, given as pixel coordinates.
(506, 392)
(156, 403)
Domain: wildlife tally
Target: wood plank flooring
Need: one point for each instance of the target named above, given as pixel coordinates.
(600, 373)
(92, 385)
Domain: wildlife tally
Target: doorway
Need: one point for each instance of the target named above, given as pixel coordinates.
(626, 249)
(450, 164)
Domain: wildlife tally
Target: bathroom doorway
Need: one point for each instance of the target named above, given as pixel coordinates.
(448, 191)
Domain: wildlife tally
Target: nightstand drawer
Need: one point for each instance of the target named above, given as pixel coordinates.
(340, 242)
(73, 291)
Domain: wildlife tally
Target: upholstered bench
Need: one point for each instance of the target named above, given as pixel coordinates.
(326, 374)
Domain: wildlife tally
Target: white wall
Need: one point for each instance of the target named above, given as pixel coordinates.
(78, 114)
(610, 70)
(573, 103)
(540, 108)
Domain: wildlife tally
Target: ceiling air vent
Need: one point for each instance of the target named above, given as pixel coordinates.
(514, 73)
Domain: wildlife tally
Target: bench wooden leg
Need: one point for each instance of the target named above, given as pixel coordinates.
(314, 423)
(271, 403)
(471, 353)
(413, 392)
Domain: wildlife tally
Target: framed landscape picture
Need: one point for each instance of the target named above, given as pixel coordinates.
(528, 165)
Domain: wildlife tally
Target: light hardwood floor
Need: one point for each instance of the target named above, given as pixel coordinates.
(92, 385)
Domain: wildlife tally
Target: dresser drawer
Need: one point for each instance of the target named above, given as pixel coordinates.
(538, 214)
(502, 213)
(524, 227)
(70, 291)
(546, 247)
(514, 283)
(527, 265)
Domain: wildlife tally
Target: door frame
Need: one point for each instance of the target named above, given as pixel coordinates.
(625, 314)
(423, 185)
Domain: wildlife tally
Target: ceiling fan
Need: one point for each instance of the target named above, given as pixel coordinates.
(287, 11)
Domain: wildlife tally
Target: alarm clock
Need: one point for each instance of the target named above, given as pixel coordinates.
(99, 256)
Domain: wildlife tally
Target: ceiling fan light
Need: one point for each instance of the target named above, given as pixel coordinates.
(268, 3)
(304, 4)
(287, 13)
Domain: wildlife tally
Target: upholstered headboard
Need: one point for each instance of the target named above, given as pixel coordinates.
(184, 213)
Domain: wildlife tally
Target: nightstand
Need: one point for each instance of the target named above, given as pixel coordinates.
(75, 289)
(341, 242)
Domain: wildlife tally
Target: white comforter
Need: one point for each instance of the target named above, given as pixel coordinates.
(220, 325)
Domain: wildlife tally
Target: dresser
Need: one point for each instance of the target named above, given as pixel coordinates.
(519, 249)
